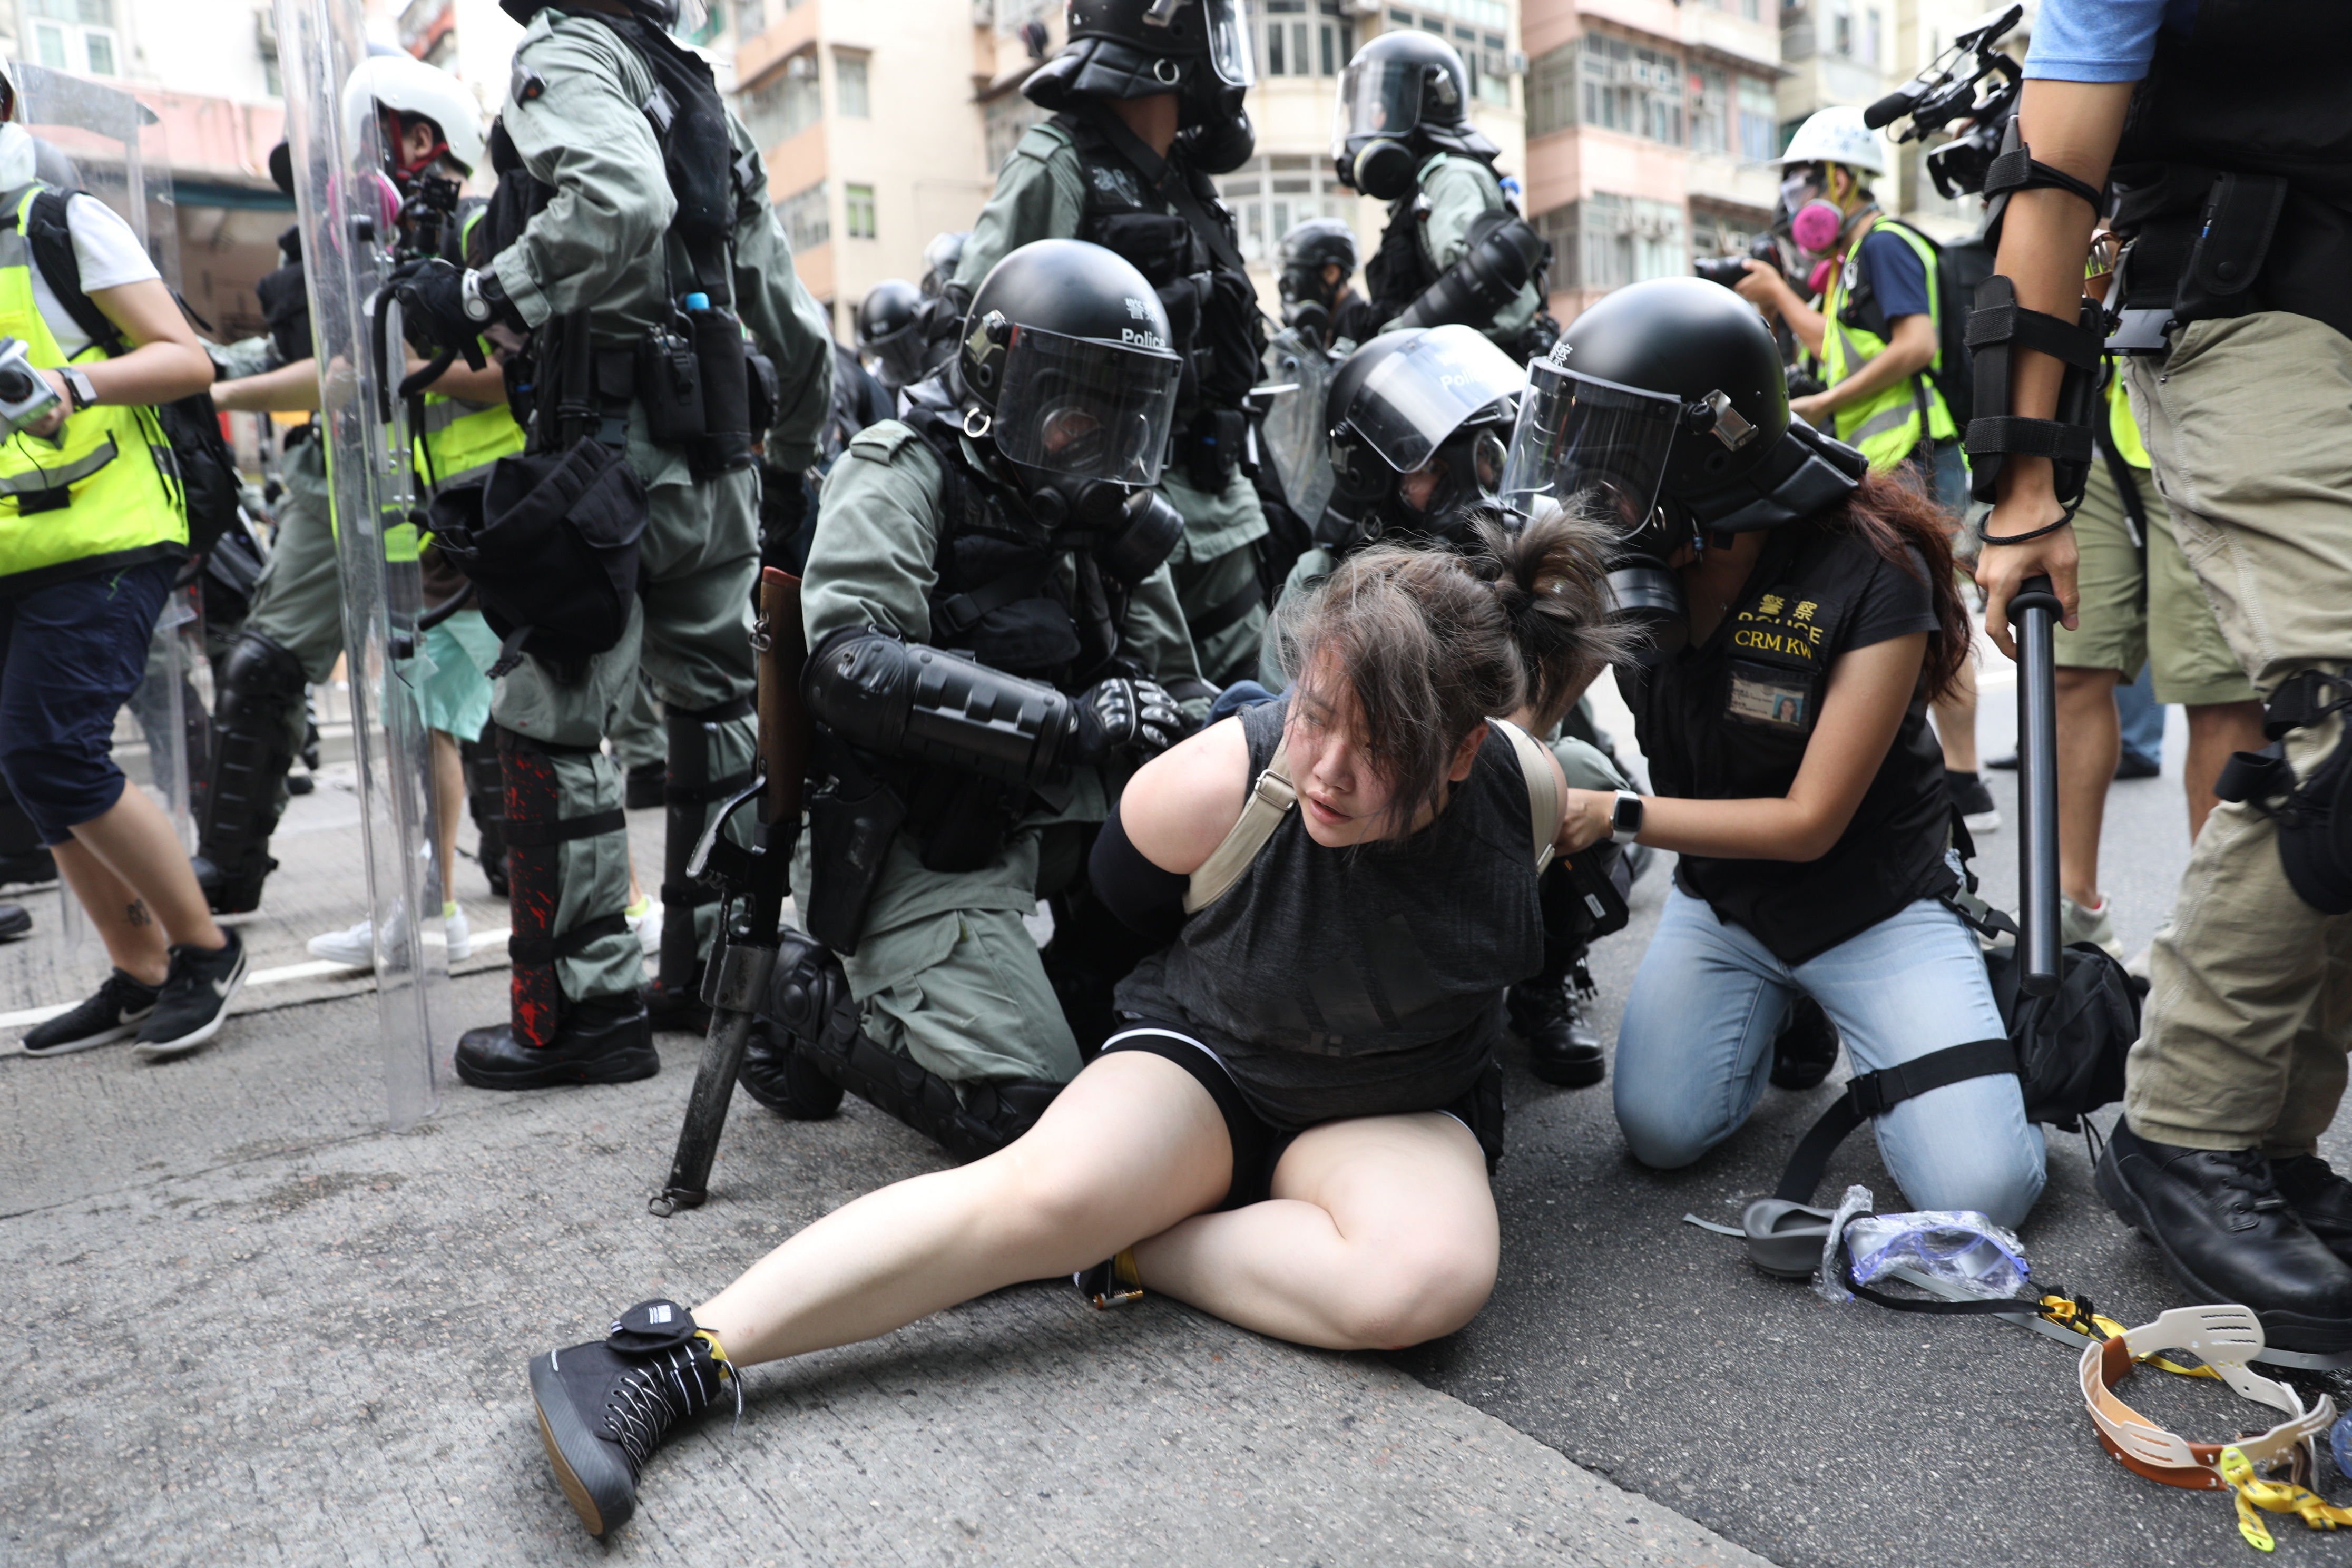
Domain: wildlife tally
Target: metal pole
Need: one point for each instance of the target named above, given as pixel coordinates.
(2034, 613)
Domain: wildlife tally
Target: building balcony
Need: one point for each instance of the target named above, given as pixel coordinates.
(1729, 183)
(1731, 37)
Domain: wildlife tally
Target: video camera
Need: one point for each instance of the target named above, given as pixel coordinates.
(1728, 270)
(1946, 92)
(428, 219)
(25, 394)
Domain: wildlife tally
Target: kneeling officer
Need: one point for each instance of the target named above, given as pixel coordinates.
(992, 631)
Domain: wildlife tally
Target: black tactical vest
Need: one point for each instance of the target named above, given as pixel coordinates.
(1219, 330)
(2259, 88)
(1729, 720)
(1399, 271)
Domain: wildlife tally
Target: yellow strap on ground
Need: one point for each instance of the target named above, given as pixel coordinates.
(2069, 1314)
(2275, 1497)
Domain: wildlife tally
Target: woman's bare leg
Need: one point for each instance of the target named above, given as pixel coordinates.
(1382, 1233)
(1131, 1147)
(448, 809)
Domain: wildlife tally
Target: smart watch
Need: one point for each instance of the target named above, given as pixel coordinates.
(1625, 818)
(80, 393)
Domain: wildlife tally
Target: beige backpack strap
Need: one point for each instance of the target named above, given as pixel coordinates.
(1544, 804)
(1269, 802)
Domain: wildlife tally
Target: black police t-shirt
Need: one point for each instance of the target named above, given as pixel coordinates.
(1729, 718)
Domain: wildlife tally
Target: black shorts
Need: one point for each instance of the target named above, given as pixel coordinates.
(1259, 1144)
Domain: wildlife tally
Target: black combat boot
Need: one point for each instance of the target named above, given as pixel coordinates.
(1806, 1048)
(2319, 1197)
(1563, 1048)
(2226, 1234)
(604, 1406)
(600, 1039)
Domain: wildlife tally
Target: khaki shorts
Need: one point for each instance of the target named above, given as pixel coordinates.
(2154, 613)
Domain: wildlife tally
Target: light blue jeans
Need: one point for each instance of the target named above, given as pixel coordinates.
(1695, 1053)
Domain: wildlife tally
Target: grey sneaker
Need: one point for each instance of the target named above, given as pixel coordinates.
(2076, 923)
(114, 1014)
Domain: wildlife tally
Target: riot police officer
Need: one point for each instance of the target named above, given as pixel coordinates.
(1317, 281)
(890, 333)
(1455, 248)
(1420, 422)
(994, 633)
(1146, 104)
(616, 281)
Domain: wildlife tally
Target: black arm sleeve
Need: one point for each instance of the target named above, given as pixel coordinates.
(1151, 902)
(876, 690)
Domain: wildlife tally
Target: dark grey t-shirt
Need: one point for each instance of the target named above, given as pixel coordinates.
(1363, 982)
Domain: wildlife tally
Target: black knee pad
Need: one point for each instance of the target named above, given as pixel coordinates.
(261, 689)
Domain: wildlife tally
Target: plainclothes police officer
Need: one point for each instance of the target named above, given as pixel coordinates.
(1807, 610)
(1877, 337)
(1419, 420)
(2223, 128)
(1146, 104)
(93, 531)
(1317, 281)
(993, 633)
(620, 280)
(1455, 248)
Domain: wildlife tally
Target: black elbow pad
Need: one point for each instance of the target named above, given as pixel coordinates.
(1503, 255)
(924, 704)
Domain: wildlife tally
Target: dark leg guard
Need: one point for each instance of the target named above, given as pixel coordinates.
(486, 797)
(674, 999)
(22, 857)
(815, 1017)
(261, 691)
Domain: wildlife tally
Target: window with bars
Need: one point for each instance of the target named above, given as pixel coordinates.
(1479, 32)
(1631, 87)
(1606, 241)
(74, 34)
(1299, 44)
(1271, 196)
(850, 99)
(787, 103)
(1757, 111)
(806, 222)
(1708, 91)
(1551, 91)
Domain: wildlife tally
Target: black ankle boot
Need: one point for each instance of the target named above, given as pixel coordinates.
(2227, 1233)
(2319, 1197)
(603, 1039)
(1807, 1048)
(1563, 1048)
(605, 1406)
(677, 1010)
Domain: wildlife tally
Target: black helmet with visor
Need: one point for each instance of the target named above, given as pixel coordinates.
(1418, 420)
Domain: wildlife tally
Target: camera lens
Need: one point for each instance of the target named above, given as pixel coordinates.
(16, 385)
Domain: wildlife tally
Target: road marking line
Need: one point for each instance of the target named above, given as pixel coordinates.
(310, 969)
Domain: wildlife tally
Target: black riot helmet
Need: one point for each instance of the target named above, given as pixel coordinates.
(663, 13)
(1404, 96)
(1065, 367)
(891, 330)
(1306, 250)
(941, 258)
(1418, 426)
(1663, 410)
(1137, 48)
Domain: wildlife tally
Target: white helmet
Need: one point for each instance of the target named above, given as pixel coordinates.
(15, 92)
(408, 86)
(1836, 135)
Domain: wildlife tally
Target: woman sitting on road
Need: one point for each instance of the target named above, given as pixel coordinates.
(1805, 619)
(1294, 1130)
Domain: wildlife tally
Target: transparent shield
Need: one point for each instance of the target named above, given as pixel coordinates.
(1297, 436)
(1590, 445)
(1418, 396)
(1229, 41)
(1090, 410)
(345, 233)
(112, 146)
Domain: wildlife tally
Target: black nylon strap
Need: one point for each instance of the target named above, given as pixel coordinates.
(2257, 776)
(538, 952)
(718, 789)
(564, 830)
(1229, 613)
(2014, 434)
(687, 895)
(724, 712)
(1989, 325)
(1875, 1093)
(2019, 170)
(2303, 698)
(959, 613)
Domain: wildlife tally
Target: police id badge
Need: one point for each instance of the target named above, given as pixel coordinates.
(1778, 699)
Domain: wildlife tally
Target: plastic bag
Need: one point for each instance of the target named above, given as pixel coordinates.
(1960, 1248)
(1828, 1283)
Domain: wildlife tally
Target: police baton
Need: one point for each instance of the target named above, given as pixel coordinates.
(2033, 611)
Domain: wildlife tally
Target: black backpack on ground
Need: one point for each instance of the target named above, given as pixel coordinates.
(206, 471)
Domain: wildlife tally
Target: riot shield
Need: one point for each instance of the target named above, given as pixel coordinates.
(99, 139)
(1296, 431)
(347, 228)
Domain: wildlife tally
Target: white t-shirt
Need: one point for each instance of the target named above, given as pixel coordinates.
(109, 255)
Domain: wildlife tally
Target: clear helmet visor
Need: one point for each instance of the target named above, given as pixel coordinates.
(1086, 409)
(1229, 41)
(1376, 97)
(1416, 399)
(1590, 445)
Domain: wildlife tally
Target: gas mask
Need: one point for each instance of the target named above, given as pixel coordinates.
(1130, 530)
(1215, 128)
(1381, 167)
